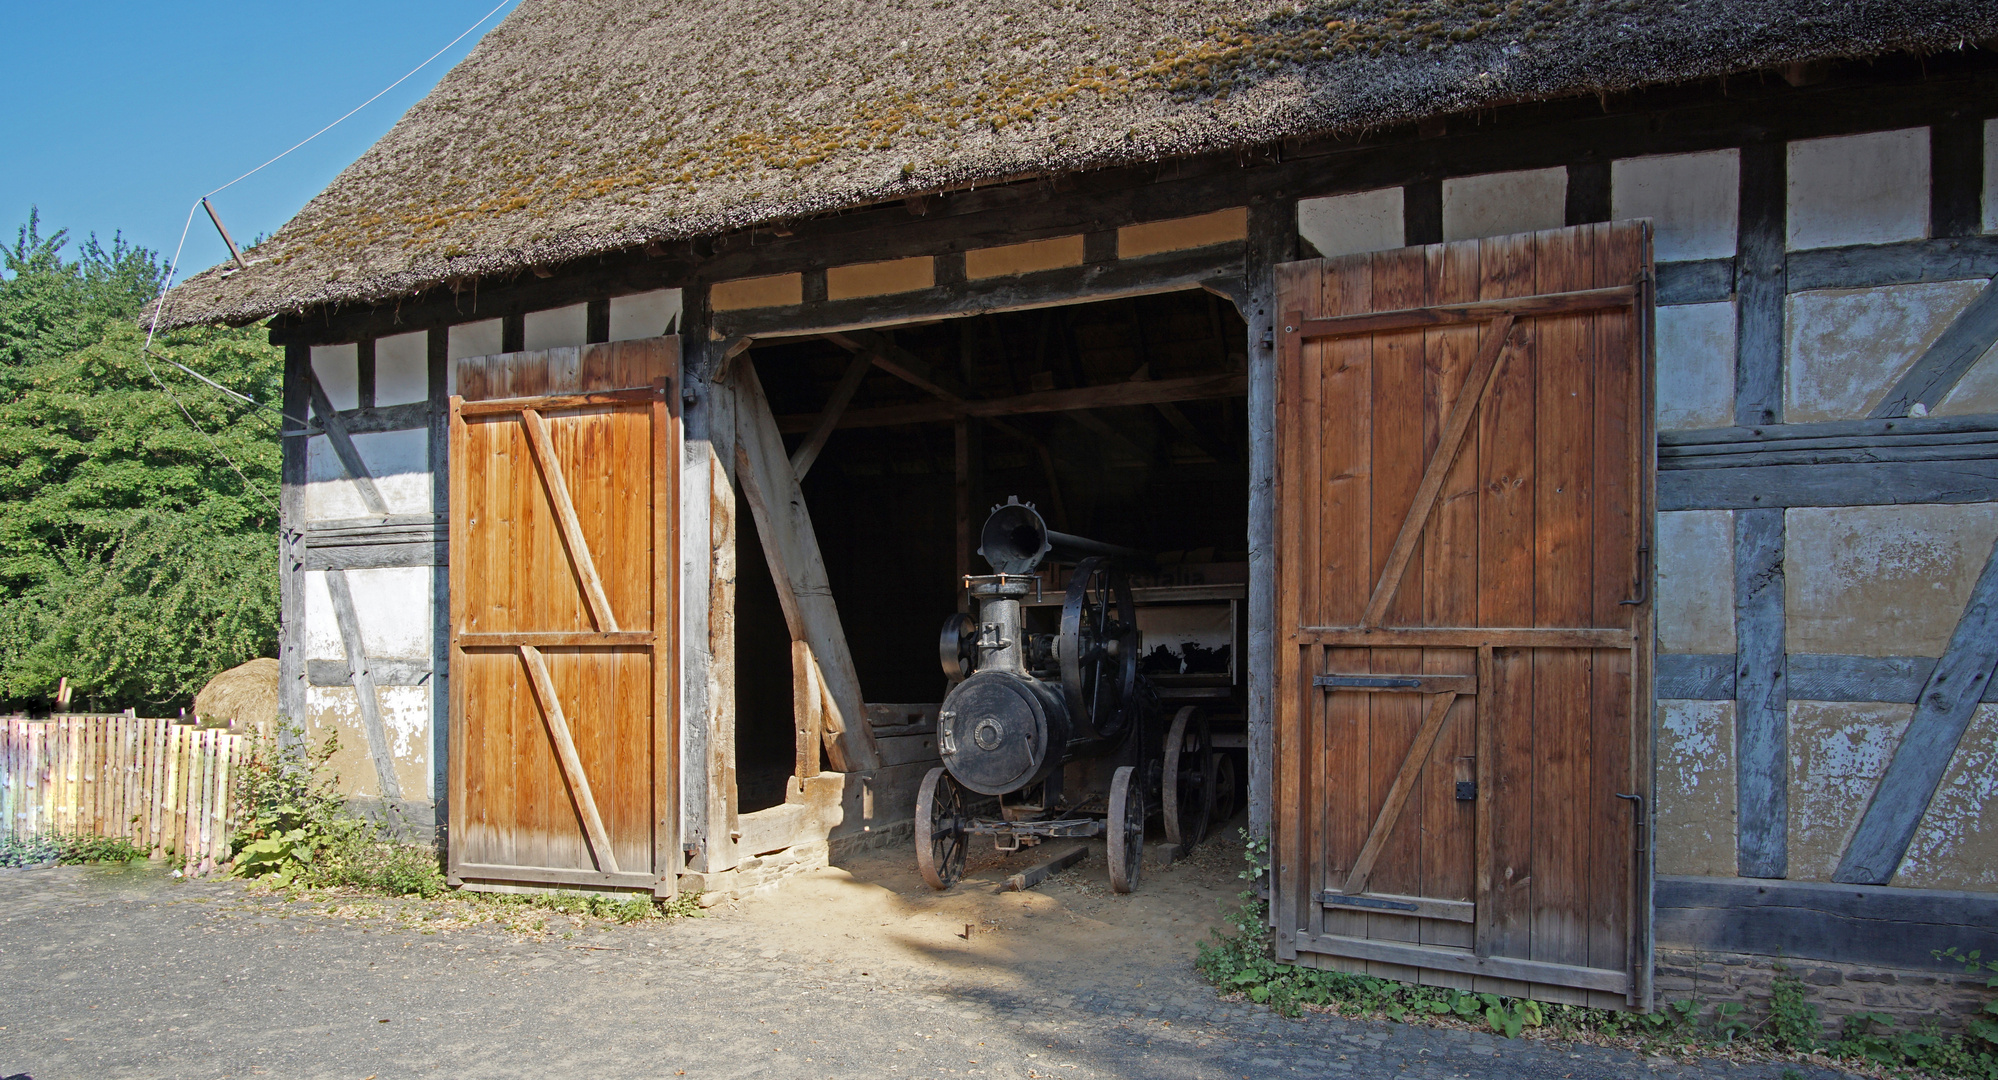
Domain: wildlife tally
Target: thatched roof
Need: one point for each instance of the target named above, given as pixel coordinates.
(583, 126)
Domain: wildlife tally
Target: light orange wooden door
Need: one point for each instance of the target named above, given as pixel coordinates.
(1464, 474)
(564, 502)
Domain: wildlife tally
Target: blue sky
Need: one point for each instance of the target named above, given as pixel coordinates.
(119, 115)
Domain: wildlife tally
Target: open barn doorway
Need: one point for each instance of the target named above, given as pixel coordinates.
(1123, 421)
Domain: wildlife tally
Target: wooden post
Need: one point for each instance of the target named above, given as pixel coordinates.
(795, 566)
(807, 709)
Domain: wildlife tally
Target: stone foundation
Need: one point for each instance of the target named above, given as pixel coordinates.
(1912, 997)
(759, 873)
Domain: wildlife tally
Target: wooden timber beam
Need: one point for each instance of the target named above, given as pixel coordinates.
(799, 572)
(1184, 425)
(908, 367)
(1113, 395)
(808, 451)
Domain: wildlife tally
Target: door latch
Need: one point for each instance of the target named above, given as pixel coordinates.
(1467, 790)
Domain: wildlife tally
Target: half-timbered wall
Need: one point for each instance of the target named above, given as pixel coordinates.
(365, 593)
(1787, 687)
(1826, 404)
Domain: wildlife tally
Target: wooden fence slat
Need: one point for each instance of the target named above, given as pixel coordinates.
(218, 848)
(165, 787)
(7, 777)
(112, 779)
(169, 813)
(156, 825)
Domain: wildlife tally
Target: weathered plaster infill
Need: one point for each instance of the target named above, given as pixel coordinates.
(1695, 589)
(335, 711)
(399, 462)
(1691, 199)
(338, 369)
(1500, 204)
(1838, 752)
(1695, 788)
(1351, 224)
(392, 606)
(1859, 189)
(644, 315)
(1845, 348)
(1054, 253)
(556, 328)
(1977, 392)
(880, 278)
(773, 290)
(1695, 366)
(1882, 580)
(1183, 234)
(1956, 846)
(402, 368)
(1991, 176)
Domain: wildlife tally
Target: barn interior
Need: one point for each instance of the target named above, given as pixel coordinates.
(1123, 421)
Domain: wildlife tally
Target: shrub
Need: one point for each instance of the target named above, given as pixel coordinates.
(297, 830)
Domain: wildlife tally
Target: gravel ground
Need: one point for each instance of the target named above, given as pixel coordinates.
(128, 973)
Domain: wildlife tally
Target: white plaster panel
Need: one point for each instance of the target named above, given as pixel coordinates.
(393, 606)
(482, 338)
(1696, 776)
(1696, 366)
(1956, 845)
(1991, 176)
(1881, 580)
(1350, 224)
(1846, 348)
(557, 328)
(643, 315)
(1695, 602)
(338, 369)
(1859, 189)
(1976, 392)
(336, 711)
(1693, 201)
(1839, 750)
(322, 632)
(402, 369)
(399, 462)
(1499, 204)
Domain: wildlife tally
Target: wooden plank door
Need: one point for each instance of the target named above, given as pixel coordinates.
(1464, 499)
(564, 559)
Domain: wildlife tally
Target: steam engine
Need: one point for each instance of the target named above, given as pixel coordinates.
(1025, 703)
(1053, 719)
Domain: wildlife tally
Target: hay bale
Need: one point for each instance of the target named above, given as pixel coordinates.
(243, 698)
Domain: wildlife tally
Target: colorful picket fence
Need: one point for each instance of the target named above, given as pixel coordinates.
(164, 786)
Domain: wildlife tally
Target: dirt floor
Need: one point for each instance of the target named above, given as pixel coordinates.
(1070, 929)
(853, 971)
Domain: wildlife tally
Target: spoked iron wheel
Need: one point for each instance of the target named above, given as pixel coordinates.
(1125, 829)
(940, 836)
(1099, 646)
(1189, 779)
(1224, 787)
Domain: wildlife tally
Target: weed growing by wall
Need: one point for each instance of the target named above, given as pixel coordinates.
(1240, 959)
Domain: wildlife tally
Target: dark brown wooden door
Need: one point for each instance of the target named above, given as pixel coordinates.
(564, 559)
(1463, 502)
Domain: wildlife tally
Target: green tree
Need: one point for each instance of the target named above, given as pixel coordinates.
(138, 508)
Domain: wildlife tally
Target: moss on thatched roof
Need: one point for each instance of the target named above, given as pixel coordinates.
(583, 126)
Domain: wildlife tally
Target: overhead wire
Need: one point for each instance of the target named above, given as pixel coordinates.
(173, 265)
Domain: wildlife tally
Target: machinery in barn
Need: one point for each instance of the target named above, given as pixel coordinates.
(1053, 716)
